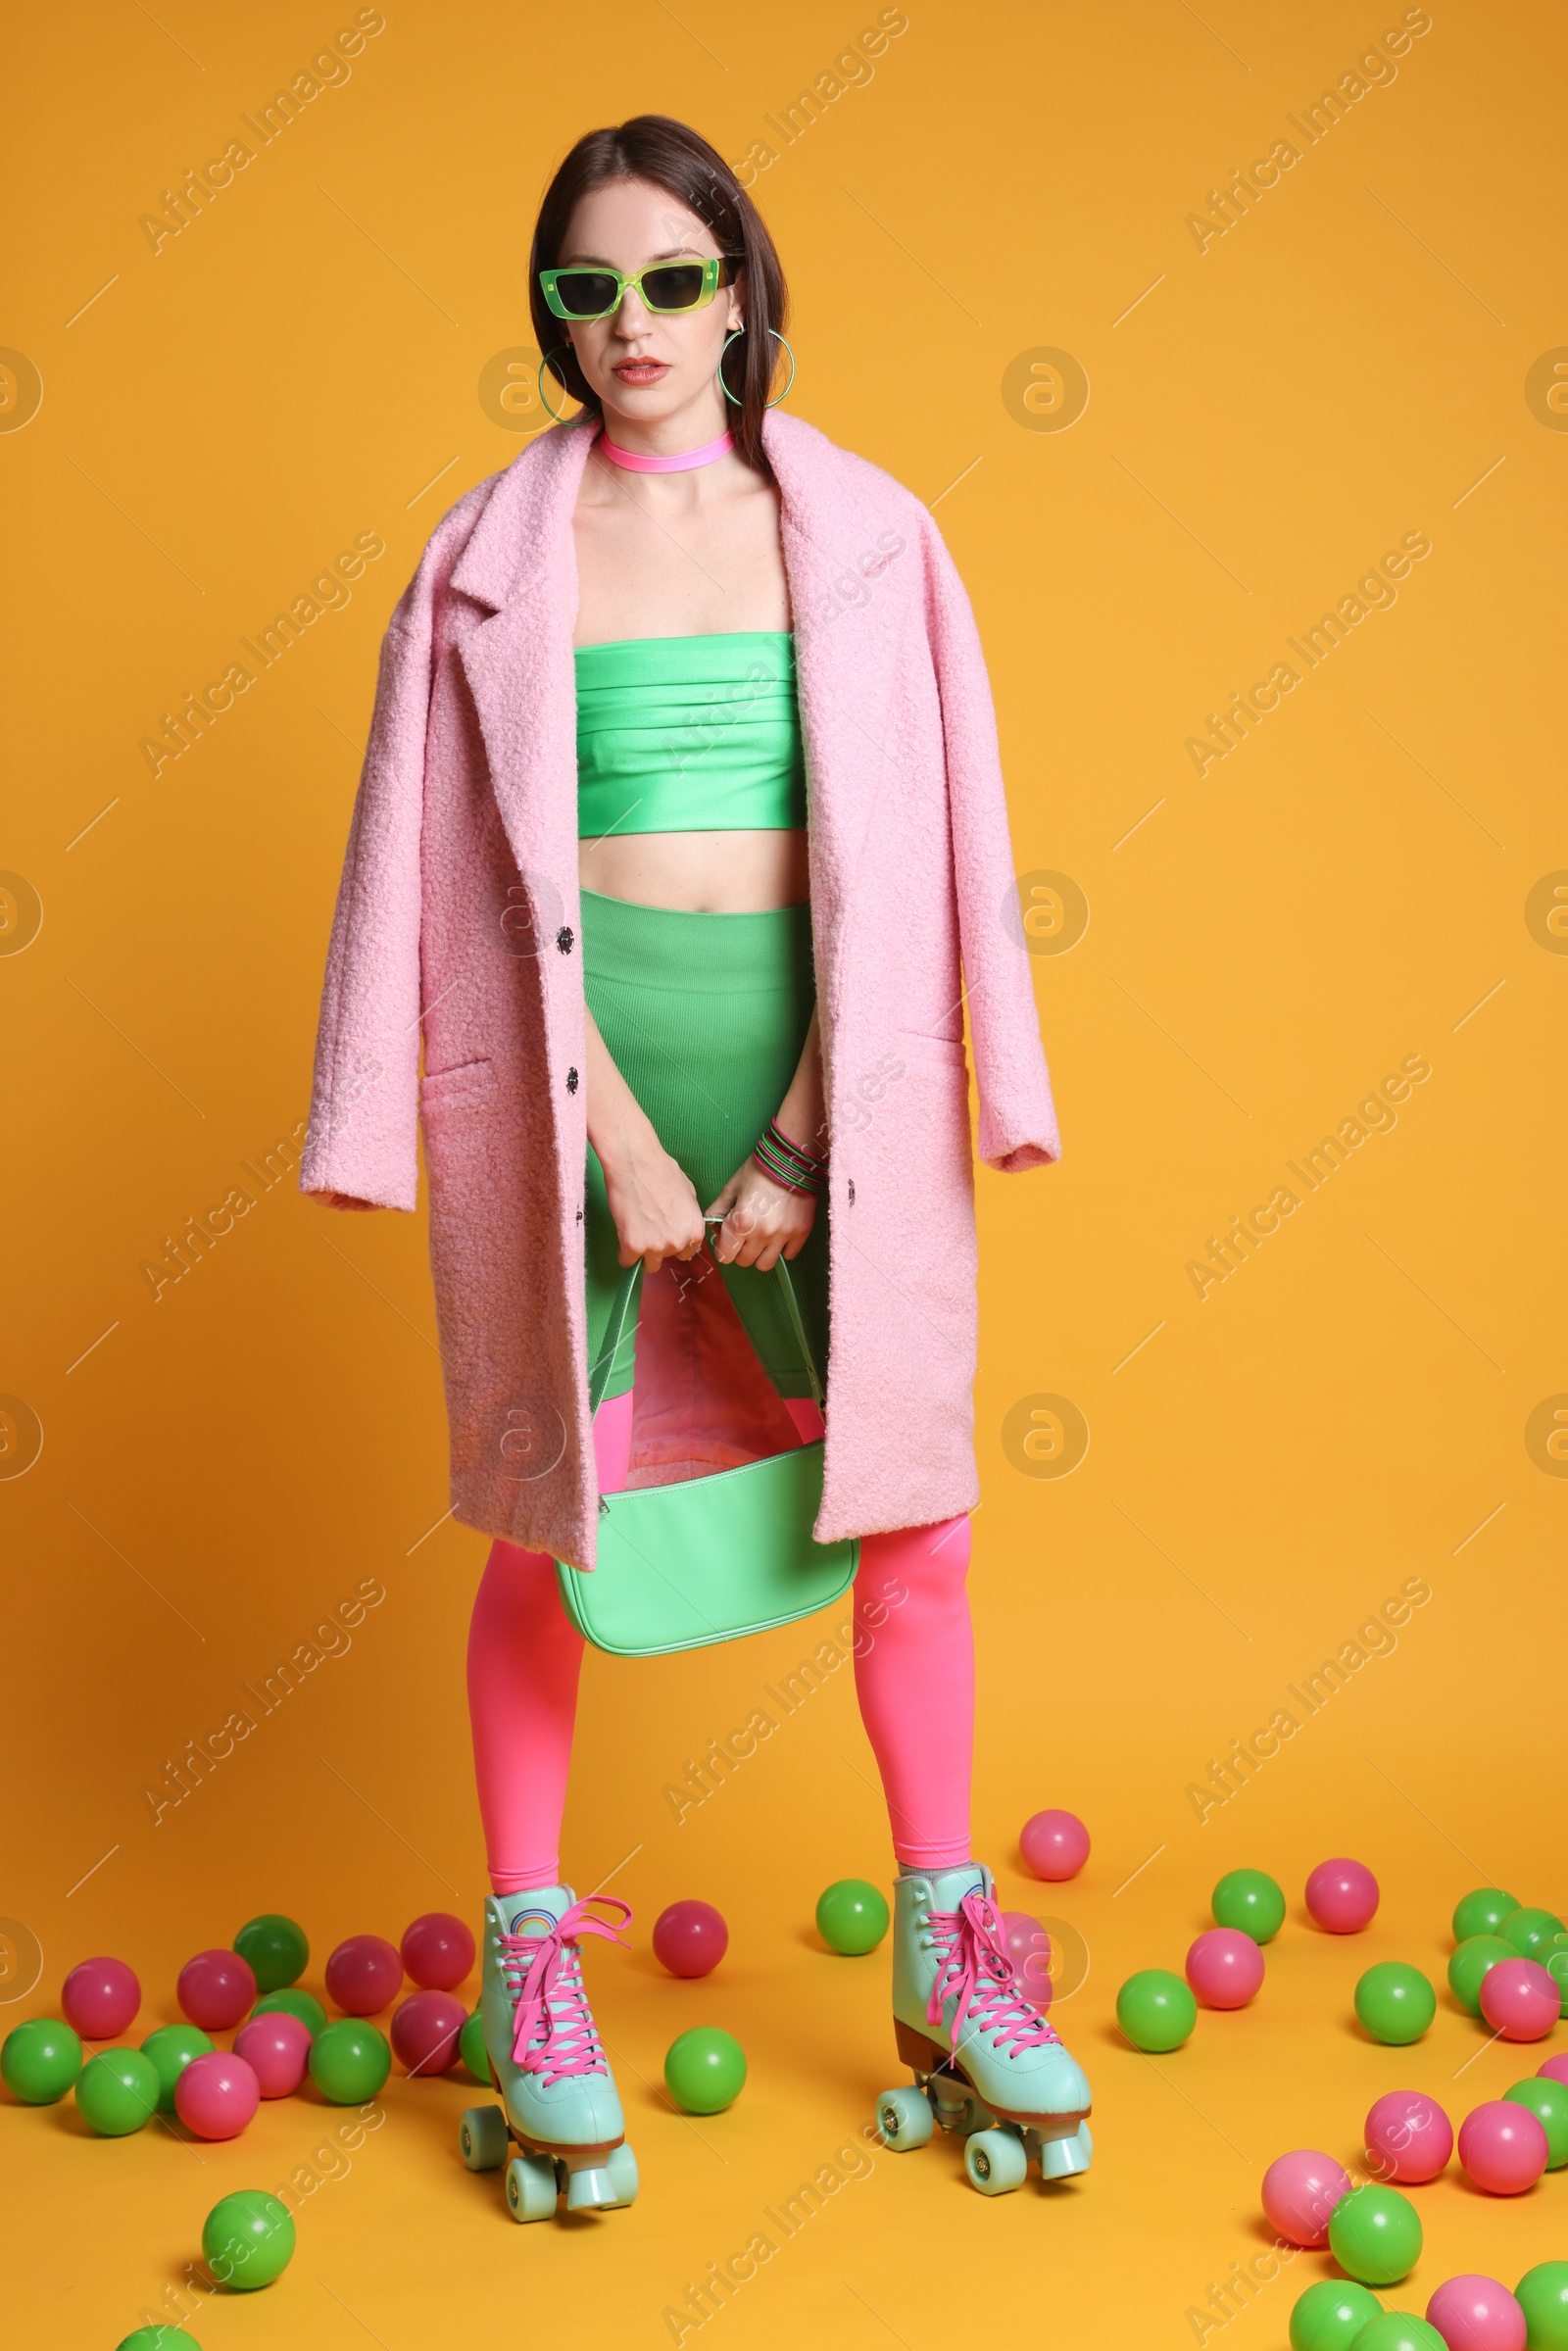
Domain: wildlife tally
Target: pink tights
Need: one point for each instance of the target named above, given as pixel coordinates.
(914, 1676)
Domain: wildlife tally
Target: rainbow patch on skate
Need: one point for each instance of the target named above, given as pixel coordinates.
(534, 1923)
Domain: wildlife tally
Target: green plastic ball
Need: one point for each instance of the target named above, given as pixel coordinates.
(1330, 2315)
(1532, 1933)
(303, 2004)
(171, 2049)
(40, 2059)
(1156, 2010)
(158, 2339)
(350, 2060)
(851, 1917)
(1548, 2102)
(471, 2049)
(704, 2069)
(1375, 2235)
(1470, 1962)
(1482, 1912)
(1554, 1959)
(117, 2093)
(275, 1950)
(1396, 2003)
(1543, 2296)
(248, 2240)
(1252, 1902)
(1400, 2330)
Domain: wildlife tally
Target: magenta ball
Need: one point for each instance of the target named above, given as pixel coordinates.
(1341, 1896)
(100, 1998)
(215, 1989)
(216, 2095)
(437, 1951)
(1520, 2000)
(1409, 2138)
(690, 1938)
(1055, 1846)
(276, 2047)
(1225, 1968)
(1029, 1948)
(1477, 2314)
(1502, 2147)
(363, 1974)
(1300, 2193)
(1555, 2069)
(424, 2032)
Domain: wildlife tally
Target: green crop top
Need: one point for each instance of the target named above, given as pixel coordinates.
(689, 734)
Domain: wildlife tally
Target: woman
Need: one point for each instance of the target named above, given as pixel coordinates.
(681, 720)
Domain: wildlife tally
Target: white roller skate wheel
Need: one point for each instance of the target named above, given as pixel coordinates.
(591, 2189)
(531, 2187)
(905, 2119)
(482, 2138)
(622, 2170)
(996, 2161)
(1065, 2157)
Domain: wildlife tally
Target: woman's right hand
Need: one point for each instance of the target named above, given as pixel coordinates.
(653, 1201)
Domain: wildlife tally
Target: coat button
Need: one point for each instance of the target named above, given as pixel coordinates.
(565, 939)
(851, 1191)
(572, 1081)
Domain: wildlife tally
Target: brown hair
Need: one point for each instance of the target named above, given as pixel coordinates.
(666, 153)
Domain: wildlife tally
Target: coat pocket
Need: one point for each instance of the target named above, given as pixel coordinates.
(466, 1082)
(930, 1053)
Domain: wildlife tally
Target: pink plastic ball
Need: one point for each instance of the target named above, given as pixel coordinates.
(100, 1998)
(1555, 2069)
(1520, 2000)
(1409, 2138)
(216, 2095)
(690, 1938)
(1477, 2314)
(1300, 2193)
(1341, 1896)
(215, 1989)
(437, 1951)
(1502, 2147)
(276, 2047)
(1029, 1948)
(363, 1974)
(1055, 1846)
(1225, 1968)
(424, 2032)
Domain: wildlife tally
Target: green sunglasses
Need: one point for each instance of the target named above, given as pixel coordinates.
(584, 293)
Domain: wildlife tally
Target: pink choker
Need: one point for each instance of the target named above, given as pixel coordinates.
(633, 463)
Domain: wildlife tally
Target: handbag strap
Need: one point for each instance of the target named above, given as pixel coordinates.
(620, 1307)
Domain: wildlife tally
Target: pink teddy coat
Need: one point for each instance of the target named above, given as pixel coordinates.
(457, 920)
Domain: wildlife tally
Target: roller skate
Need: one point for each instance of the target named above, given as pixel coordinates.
(559, 2127)
(987, 2064)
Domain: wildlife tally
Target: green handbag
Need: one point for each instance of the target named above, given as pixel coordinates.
(710, 1558)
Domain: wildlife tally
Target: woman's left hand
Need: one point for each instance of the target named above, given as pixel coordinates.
(763, 1221)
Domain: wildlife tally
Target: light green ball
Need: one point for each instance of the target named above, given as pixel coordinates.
(704, 2069)
(1252, 1902)
(1470, 1962)
(1547, 2101)
(40, 2059)
(1375, 2235)
(294, 2002)
(1532, 1933)
(350, 2061)
(1400, 2330)
(471, 2049)
(1156, 2010)
(1482, 1912)
(158, 2339)
(248, 2240)
(117, 2093)
(171, 2049)
(1543, 2296)
(1396, 2003)
(1330, 2315)
(851, 1917)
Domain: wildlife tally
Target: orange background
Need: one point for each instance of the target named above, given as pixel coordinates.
(1349, 887)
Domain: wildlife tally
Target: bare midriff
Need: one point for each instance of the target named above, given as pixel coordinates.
(698, 873)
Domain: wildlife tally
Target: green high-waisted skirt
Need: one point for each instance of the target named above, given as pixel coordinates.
(705, 1016)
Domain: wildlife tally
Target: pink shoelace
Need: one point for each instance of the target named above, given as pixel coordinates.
(544, 1972)
(972, 1961)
